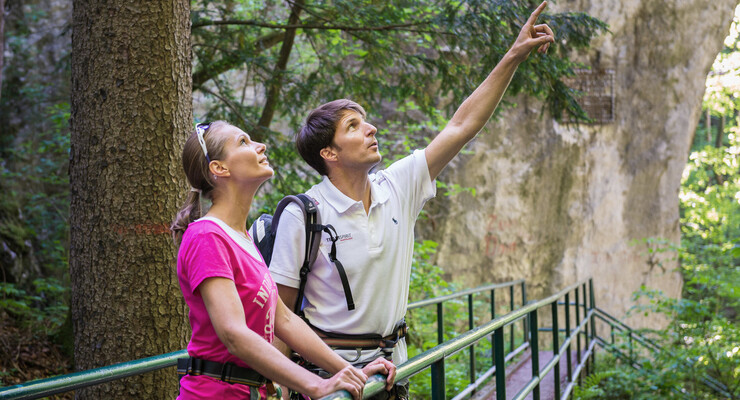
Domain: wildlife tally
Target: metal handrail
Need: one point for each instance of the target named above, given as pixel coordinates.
(440, 299)
(64, 383)
(452, 346)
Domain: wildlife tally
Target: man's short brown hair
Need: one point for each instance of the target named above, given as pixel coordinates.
(318, 131)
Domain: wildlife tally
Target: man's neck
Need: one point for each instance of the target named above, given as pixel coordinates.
(353, 184)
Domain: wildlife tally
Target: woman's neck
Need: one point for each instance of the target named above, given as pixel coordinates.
(232, 207)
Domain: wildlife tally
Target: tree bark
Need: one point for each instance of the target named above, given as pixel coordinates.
(131, 112)
(276, 83)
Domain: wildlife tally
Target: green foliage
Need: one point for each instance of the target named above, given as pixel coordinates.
(700, 344)
(42, 308)
(615, 380)
(426, 278)
(378, 52)
(590, 389)
(409, 62)
(35, 191)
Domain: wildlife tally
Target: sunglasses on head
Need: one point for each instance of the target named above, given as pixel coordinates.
(200, 130)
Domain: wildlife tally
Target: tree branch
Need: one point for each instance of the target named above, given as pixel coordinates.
(346, 28)
(230, 62)
(247, 124)
(276, 83)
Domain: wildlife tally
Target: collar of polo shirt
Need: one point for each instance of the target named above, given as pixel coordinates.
(341, 202)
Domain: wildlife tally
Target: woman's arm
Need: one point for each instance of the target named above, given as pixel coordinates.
(227, 316)
(300, 337)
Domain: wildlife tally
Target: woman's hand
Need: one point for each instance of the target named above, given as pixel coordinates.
(349, 378)
(382, 366)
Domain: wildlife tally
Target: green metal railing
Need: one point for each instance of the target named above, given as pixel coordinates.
(433, 358)
(633, 340)
(60, 384)
(582, 327)
(438, 369)
(65, 383)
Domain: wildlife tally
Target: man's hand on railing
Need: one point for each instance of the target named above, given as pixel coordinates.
(350, 379)
(384, 367)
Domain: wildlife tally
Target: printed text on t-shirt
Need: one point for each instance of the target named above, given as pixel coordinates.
(264, 292)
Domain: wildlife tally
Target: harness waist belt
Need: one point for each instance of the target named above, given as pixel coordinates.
(339, 340)
(228, 372)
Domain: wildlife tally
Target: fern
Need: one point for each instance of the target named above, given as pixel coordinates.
(590, 389)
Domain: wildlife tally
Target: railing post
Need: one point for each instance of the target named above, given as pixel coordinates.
(567, 329)
(472, 346)
(578, 333)
(534, 346)
(493, 316)
(438, 368)
(511, 327)
(500, 364)
(632, 355)
(593, 320)
(556, 347)
(524, 320)
(440, 324)
(438, 380)
(586, 329)
(611, 333)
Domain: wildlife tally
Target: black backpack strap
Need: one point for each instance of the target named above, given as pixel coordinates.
(313, 240)
(340, 268)
(313, 237)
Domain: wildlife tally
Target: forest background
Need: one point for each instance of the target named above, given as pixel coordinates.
(253, 65)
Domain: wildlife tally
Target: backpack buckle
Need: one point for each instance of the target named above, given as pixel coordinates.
(226, 371)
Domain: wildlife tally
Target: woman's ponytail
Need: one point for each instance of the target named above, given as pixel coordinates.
(195, 164)
(189, 212)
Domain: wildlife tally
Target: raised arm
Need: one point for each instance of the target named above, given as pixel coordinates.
(477, 109)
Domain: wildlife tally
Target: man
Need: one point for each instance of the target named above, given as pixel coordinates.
(374, 215)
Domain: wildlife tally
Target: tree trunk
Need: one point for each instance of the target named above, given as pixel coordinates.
(720, 132)
(131, 112)
(708, 125)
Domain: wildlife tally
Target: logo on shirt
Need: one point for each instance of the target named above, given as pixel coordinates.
(341, 238)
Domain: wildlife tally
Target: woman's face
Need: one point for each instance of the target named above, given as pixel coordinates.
(245, 159)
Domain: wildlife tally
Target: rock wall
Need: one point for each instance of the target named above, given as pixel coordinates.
(558, 203)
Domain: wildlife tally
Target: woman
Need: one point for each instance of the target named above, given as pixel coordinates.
(233, 301)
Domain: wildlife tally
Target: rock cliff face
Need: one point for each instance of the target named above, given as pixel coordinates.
(557, 203)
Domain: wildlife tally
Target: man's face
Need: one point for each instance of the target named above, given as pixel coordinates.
(355, 145)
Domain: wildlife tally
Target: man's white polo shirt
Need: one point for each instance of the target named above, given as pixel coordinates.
(375, 249)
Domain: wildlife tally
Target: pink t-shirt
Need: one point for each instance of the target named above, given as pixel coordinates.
(208, 250)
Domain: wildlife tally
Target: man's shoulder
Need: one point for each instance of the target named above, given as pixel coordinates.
(397, 172)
